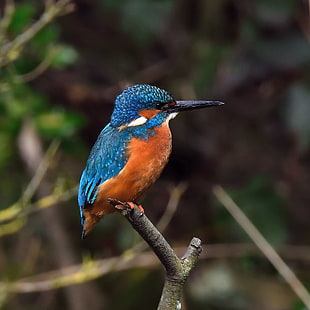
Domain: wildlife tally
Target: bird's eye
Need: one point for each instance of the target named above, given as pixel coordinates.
(159, 105)
(164, 105)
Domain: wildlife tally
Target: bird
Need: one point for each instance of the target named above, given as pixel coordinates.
(131, 150)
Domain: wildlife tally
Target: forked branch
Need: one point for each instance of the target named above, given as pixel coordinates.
(177, 269)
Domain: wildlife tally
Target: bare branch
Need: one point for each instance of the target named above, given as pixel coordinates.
(177, 270)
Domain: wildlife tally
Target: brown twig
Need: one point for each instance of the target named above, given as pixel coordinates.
(175, 194)
(177, 270)
(38, 70)
(6, 19)
(273, 257)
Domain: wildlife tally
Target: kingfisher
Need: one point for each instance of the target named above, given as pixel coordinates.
(131, 151)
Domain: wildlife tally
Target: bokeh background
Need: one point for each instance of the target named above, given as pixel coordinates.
(57, 93)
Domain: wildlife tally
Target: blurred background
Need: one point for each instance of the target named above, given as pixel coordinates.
(57, 90)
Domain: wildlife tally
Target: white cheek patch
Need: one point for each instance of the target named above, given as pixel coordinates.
(137, 122)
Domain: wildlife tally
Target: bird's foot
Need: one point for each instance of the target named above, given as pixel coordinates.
(132, 205)
(125, 206)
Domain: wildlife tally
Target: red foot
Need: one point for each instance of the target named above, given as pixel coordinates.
(132, 206)
(119, 205)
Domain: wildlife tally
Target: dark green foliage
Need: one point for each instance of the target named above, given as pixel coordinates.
(20, 101)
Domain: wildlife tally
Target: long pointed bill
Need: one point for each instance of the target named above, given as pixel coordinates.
(191, 105)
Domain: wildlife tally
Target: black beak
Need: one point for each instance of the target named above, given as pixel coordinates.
(191, 105)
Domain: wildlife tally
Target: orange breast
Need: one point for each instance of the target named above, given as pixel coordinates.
(145, 163)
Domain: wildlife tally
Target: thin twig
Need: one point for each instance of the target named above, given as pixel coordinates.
(11, 50)
(18, 211)
(263, 245)
(19, 208)
(12, 227)
(6, 19)
(40, 172)
(75, 274)
(38, 70)
(174, 199)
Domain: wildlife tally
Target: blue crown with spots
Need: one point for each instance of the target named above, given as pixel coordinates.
(136, 98)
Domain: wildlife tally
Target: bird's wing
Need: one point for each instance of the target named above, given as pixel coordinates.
(107, 158)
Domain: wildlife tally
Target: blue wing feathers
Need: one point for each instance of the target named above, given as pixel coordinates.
(107, 158)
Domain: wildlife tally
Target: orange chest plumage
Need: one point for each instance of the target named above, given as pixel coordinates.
(146, 160)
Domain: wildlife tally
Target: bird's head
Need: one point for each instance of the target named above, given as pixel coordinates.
(140, 103)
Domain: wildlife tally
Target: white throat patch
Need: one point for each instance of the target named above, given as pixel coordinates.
(171, 116)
